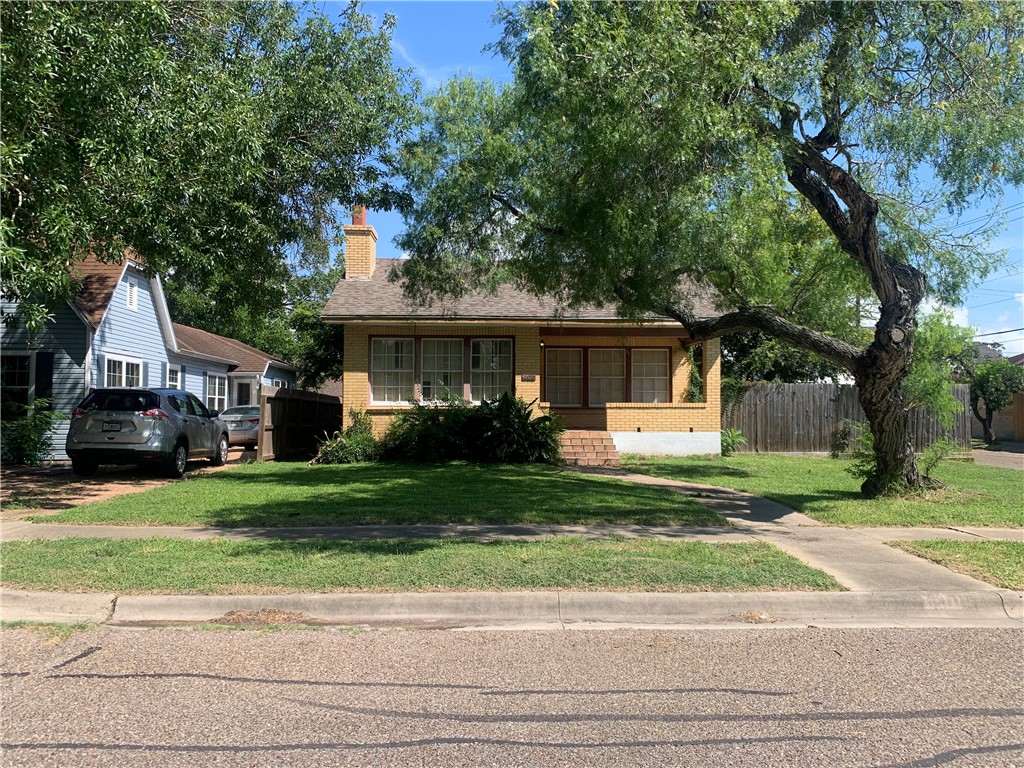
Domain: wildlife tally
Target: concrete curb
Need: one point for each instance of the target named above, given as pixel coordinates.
(545, 609)
(56, 607)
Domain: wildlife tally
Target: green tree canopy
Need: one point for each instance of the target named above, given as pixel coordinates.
(222, 142)
(993, 382)
(793, 155)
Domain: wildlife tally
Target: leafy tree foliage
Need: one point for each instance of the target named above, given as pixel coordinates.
(993, 382)
(776, 152)
(939, 345)
(222, 142)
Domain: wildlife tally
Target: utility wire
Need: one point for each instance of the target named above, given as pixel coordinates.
(997, 333)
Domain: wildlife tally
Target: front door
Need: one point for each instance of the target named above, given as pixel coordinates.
(243, 393)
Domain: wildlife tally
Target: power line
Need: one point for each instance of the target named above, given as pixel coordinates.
(1001, 277)
(997, 333)
(989, 304)
(989, 216)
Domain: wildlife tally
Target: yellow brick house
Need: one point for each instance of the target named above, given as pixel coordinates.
(626, 381)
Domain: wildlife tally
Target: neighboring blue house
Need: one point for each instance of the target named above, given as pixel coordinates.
(117, 332)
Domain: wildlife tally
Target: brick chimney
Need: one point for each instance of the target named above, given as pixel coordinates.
(360, 247)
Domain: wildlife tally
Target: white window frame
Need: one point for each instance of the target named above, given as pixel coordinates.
(667, 378)
(596, 382)
(550, 378)
(399, 374)
(496, 374)
(216, 391)
(122, 377)
(428, 376)
(132, 299)
(176, 369)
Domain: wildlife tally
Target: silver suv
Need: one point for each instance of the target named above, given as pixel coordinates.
(166, 427)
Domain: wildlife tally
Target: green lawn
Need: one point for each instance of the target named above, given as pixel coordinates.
(997, 562)
(173, 566)
(293, 494)
(975, 495)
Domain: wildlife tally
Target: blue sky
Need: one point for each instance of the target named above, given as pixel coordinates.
(440, 39)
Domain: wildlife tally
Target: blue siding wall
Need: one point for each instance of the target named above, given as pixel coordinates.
(195, 372)
(65, 337)
(131, 333)
(273, 372)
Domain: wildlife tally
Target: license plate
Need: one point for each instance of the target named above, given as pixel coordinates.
(235, 425)
(111, 426)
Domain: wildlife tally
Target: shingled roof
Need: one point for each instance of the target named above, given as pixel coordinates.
(380, 299)
(247, 359)
(98, 281)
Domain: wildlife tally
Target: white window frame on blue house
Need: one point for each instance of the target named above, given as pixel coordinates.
(122, 375)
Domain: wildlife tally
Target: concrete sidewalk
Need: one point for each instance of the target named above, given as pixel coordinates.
(888, 587)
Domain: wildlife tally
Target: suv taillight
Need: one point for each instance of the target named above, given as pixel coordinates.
(78, 413)
(156, 413)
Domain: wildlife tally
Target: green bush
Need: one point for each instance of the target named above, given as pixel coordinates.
(934, 453)
(503, 431)
(356, 444)
(732, 439)
(28, 438)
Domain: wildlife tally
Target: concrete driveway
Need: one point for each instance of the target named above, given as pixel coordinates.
(1009, 455)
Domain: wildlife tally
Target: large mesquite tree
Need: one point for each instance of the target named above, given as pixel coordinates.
(798, 157)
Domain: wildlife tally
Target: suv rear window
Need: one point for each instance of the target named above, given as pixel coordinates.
(121, 401)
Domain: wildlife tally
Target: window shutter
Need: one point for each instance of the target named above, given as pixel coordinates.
(101, 370)
(163, 373)
(44, 377)
(145, 374)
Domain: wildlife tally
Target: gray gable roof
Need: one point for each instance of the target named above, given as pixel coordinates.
(377, 298)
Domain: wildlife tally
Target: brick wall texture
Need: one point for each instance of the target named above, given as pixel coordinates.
(677, 416)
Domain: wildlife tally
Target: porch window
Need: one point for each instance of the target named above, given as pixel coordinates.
(122, 372)
(216, 392)
(391, 371)
(607, 376)
(564, 377)
(490, 370)
(650, 376)
(441, 369)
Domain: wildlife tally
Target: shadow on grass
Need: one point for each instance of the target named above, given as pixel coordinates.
(458, 493)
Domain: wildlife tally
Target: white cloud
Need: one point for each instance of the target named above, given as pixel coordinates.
(432, 77)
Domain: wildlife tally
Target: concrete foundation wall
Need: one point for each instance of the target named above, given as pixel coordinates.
(668, 443)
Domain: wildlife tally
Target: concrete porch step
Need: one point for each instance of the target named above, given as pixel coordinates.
(589, 448)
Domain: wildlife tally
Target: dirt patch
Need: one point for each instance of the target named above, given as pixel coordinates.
(754, 617)
(266, 617)
(41, 490)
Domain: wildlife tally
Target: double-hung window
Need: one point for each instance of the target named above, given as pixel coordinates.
(15, 384)
(122, 372)
(490, 369)
(173, 376)
(650, 376)
(392, 370)
(564, 377)
(441, 369)
(607, 376)
(216, 392)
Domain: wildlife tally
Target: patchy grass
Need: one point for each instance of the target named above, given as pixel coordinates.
(292, 494)
(175, 566)
(54, 632)
(997, 562)
(975, 495)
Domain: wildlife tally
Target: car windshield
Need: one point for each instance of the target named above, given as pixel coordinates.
(242, 410)
(121, 401)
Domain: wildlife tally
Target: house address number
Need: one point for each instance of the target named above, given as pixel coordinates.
(528, 377)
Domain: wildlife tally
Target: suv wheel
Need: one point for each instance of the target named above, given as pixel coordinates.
(220, 454)
(83, 466)
(178, 459)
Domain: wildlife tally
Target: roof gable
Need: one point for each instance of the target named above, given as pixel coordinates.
(97, 280)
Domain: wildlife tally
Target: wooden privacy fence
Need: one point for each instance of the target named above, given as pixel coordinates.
(804, 418)
(293, 422)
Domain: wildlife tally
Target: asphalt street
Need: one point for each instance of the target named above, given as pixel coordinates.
(750, 696)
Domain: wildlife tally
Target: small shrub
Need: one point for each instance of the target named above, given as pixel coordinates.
(863, 466)
(356, 444)
(28, 438)
(934, 453)
(841, 438)
(510, 434)
(732, 439)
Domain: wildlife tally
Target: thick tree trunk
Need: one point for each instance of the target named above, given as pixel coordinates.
(895, 463)
(986, 422)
